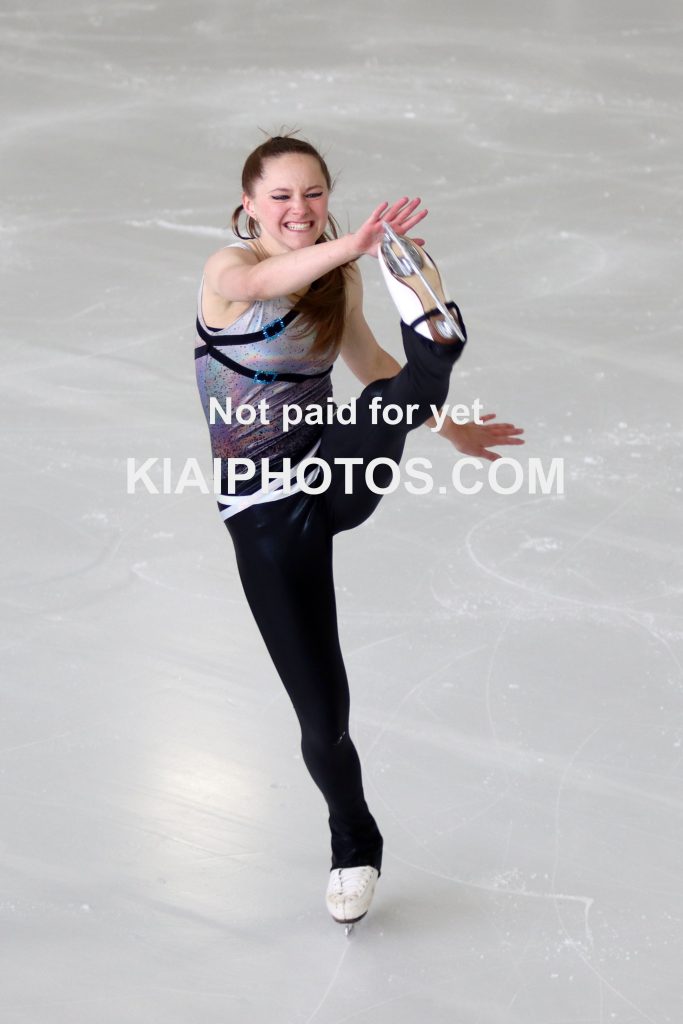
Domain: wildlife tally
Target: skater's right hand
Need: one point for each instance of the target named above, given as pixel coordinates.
(401, 216)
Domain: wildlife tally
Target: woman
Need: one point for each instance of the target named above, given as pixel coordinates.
(275, 310)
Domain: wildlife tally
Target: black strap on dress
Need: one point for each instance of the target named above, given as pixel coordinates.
(266, 333)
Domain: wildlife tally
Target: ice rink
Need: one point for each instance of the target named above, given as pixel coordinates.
(514, 659)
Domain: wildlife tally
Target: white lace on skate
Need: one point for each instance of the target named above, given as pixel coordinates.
(350, 892)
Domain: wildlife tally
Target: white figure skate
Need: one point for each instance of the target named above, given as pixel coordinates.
(415, 285)
(349, 894)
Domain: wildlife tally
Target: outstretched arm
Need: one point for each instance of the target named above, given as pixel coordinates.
(237, 276)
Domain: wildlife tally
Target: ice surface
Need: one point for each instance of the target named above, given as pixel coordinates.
(515, 660)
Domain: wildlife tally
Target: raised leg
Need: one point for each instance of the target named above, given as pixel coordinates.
(423, 381)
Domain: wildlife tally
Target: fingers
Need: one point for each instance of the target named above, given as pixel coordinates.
(404, 205)
(507, 429)
(400, 213)
(412, 221)
(504, 439)
(507, 426)
(378, 213)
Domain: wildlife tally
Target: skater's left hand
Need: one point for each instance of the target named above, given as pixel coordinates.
(476, 438)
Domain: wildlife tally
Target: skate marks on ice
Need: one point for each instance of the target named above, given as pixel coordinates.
(610, 610)
(501, 773)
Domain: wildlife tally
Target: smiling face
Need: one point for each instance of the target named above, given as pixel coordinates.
(289, 202)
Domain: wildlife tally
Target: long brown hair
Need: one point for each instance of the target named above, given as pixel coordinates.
(323, 307)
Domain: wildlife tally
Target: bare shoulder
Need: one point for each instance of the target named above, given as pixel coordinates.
(222, 295)
(225, 259)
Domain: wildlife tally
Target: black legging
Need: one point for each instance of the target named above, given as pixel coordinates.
(284, 558)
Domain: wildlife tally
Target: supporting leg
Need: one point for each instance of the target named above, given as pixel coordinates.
(284, 557)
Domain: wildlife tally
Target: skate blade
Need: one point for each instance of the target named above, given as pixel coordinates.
(405, 261)
(349, 925)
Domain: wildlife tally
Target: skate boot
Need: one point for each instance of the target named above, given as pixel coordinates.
(415, 286)
(349, 894)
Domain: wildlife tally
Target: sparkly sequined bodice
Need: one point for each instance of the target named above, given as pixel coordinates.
(287, 351)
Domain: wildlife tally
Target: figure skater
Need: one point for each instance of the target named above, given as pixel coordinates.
(274, 311)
